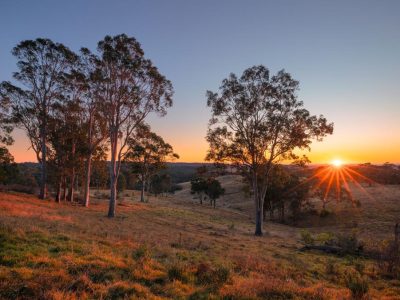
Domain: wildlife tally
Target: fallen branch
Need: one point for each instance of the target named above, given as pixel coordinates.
(327, 249)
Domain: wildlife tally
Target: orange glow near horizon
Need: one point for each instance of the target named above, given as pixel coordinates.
(194, 149)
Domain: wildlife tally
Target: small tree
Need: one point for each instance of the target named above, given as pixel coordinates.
(214, 190)
(257, 121)
(198, 186)
(160, 183)
(285, 191)
(149, 153)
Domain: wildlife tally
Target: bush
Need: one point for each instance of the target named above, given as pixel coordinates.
(141, 253)
(331, 267)
(349, 244)
(307, 238)
(208, 276)
(389, 259)
(177, 272)
(325, 238)
(357, 285)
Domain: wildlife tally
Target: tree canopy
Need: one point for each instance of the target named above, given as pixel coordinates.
(257, 120)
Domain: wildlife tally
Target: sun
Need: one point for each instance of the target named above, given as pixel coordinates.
(337, 163)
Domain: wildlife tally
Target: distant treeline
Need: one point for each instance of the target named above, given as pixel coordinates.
(25, 177)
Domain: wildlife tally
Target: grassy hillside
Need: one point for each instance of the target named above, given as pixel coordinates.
(173, 248)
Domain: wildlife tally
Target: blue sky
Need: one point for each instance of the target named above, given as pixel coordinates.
(346, 55)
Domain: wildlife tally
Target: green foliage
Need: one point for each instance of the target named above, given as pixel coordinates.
(9, 172)
(325, 238)
(214, 190)
(307, 237)
(285, 190)
(160, 183)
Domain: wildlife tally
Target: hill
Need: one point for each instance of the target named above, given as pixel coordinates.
(173, 248)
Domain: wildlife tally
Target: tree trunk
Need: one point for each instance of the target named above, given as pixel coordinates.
(113, 172)
(87, 180)
(64, 184)
(43, 166)
(282, 217)
(258, 205)
(214, 202)
(143, 190)
(59, 187)
(72, 182)
(71, 187)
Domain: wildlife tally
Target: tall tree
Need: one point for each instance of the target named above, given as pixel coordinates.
(256, 121)
(149, 152)
(129, 88)
(96, 129)
(42, 65)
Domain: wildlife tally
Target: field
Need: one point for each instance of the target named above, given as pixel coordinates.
(174, 248)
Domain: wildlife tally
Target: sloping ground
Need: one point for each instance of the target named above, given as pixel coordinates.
(169, 248)
(236, 197)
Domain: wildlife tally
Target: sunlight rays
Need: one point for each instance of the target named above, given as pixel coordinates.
(333, 182)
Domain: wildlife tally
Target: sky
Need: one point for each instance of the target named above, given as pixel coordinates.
(346, 55)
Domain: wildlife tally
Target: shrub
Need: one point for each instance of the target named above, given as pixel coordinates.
(331, 267)
(357, 285)
(325, 238)
(208, 276)
(178, 272)
(141, 253)
(389, 259)
(349, 243)
(307, 238)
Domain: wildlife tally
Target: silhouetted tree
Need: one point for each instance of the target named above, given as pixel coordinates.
(129, 88)
(8, 168)
(214, 190)
(256, 121)
(160, 183)
(199, 186)
(285, 191)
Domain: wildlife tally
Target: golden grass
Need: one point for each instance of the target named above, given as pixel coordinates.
(173, 248)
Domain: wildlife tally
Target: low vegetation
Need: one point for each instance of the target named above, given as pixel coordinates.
(189, 251)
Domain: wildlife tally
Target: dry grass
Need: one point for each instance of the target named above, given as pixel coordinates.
(172, 248)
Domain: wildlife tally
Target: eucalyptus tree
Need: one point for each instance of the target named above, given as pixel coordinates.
(129, 88)
(96, 128)
(257, 120)
(6, 124)
(42, 65)
(149, 152)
